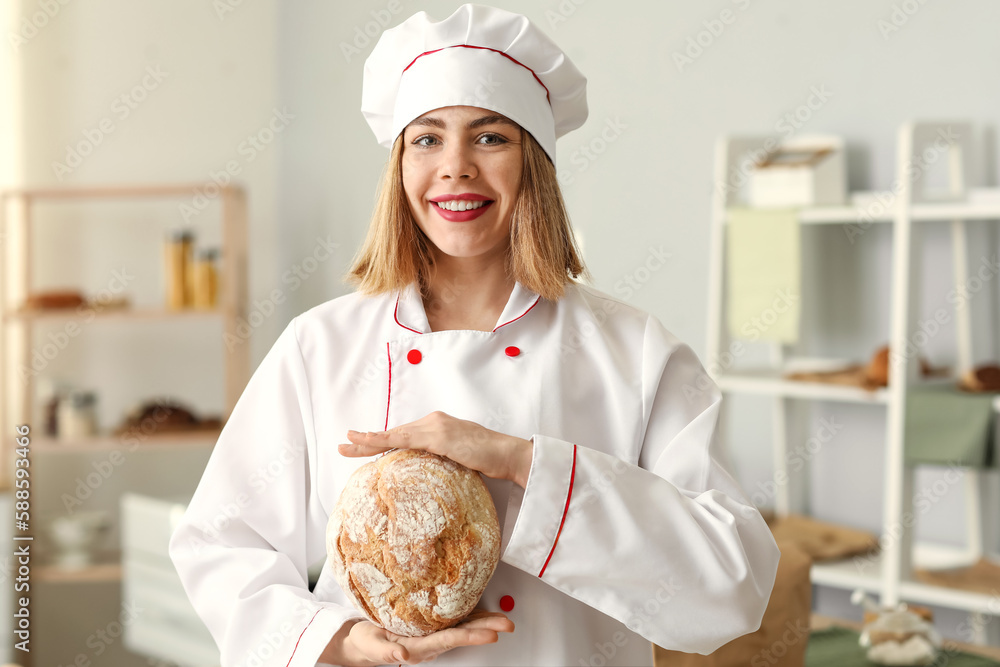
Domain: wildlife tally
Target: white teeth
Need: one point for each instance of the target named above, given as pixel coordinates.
(460, 204)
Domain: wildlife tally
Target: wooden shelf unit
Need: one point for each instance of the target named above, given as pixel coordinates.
(231, 309)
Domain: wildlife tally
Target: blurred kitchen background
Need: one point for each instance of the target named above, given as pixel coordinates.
(133, 134)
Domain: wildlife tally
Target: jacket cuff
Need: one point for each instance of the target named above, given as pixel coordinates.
(547, 496)
(312, 641)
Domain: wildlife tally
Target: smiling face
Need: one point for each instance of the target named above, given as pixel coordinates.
(461, 170)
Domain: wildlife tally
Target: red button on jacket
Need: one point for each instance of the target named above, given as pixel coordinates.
(506, 603)
(512, 351)
(414, 356)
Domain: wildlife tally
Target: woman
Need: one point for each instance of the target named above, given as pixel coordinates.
(469, 337)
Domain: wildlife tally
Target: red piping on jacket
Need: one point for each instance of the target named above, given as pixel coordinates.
(569, 495)
(388, 394)
(300, 638)
(522, 314)
(395, 316)
(485, 48)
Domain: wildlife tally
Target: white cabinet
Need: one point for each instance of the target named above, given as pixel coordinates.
(169, 628)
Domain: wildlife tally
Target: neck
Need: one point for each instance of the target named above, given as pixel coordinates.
(467, 293)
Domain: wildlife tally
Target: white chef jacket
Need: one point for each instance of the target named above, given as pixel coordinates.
(630, 529)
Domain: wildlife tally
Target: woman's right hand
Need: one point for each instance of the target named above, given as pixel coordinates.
(364, 644)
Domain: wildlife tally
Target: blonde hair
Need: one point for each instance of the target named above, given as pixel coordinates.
(542, 254)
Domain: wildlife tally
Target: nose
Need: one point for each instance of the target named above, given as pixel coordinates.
(457, 161)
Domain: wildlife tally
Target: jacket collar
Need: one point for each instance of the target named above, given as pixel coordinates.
(409, 310)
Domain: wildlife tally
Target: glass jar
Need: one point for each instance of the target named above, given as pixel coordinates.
(205, 279)
(78, 415)
(177, 261)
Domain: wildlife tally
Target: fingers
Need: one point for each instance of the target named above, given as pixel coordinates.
(371, 642)
(354, 450)
(483, 629)
(430, 646)
(371, 443)
(493, 621)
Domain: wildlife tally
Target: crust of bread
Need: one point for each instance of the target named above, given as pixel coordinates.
(414, 540)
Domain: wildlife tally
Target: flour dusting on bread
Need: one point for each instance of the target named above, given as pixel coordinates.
(414, 540)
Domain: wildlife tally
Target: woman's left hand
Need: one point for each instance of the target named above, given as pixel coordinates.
(494, 454)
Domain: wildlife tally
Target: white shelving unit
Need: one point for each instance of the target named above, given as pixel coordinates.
(906, 210)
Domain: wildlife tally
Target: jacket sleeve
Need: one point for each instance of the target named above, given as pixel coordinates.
(675, 550)
(241, 547)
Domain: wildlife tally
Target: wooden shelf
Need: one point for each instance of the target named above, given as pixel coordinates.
(118, 191)
(107, 568)
(202, 438)
(59, 314)
(848, 575)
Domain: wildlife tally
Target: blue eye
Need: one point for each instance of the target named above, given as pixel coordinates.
(418, 140)
(499, 140)
(495, 140)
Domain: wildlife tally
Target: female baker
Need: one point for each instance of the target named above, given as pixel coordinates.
(594, 427)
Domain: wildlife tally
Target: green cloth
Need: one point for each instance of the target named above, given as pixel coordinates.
(947, 426)
(764, 274)
(838, 647)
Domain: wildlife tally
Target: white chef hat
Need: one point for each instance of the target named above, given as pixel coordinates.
(479, 56)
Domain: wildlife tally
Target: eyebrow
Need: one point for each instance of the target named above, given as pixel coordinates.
(430, 121)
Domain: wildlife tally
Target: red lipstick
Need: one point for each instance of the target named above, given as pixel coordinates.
(461, 216)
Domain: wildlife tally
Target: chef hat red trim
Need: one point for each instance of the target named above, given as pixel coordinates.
(485, 48)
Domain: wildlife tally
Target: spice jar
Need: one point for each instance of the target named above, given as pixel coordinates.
(77, 415)
(177, 260)
(205, 279)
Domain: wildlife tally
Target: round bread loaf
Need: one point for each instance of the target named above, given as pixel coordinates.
(413, 541)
